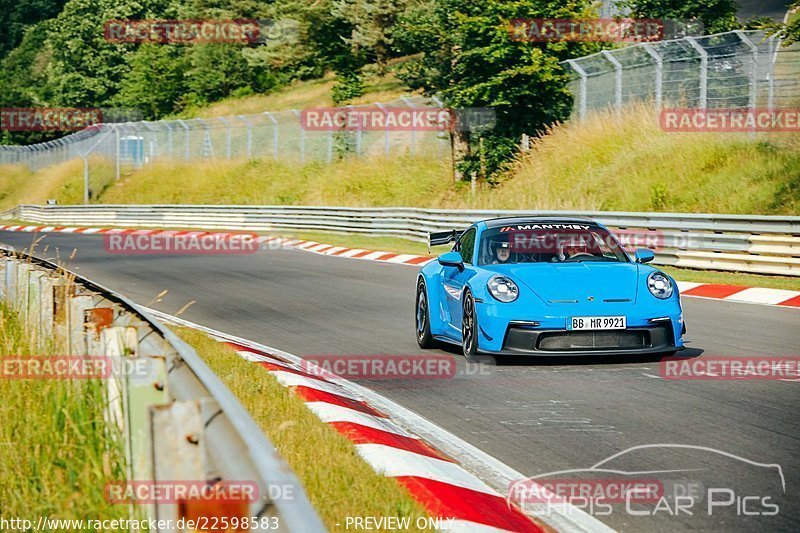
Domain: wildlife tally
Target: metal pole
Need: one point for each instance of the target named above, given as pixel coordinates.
(85, 180)
(617, 78)
(582, 87)
(274, 135)
(227, 136)
(116, 165)
(249, 145)
(386, 137)
(773, 48)
(302, 138)
(186, 134)
(754, 69)
(413, 129)
(703, 71)
(659, 73)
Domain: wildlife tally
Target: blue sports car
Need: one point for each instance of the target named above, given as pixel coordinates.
(546, 286)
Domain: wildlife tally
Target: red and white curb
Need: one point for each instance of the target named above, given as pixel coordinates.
(739, 294)
(266, 240)
(729, 293)
(383, 437)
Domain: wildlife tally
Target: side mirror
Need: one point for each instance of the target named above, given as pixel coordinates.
(643, 255)
(452, 259)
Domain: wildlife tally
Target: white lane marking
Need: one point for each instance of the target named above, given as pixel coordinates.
(91, 230)
(759, 295)
(69, 230)
(306, 245)
(329, 412)
(496, 473)
(48, 229)
(318, 247)
(395, 462)
(290, 379)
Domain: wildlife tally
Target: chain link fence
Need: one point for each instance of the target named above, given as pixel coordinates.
(276, 135)
(737, 69)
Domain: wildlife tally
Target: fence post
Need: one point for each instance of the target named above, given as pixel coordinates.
(302, 137)
(753, 71)
(413, 128)
(249, 144)
(659, 80)
(116, 163)
(227, 137)
(774, 44)
(582, 87)
(274, 135)
(617, 78)
(703, 71)
(169, 138)
(186, 134)
(386, 138)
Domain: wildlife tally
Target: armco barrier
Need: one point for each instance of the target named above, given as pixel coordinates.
(756, 244)
(178, 421)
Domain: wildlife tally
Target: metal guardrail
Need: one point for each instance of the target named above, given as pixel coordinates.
(178, 420)
(747, 243)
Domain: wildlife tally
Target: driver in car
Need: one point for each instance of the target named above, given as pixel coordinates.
(501, 252)
(571, 250)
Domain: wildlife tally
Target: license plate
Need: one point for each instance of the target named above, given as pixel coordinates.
(577, 323)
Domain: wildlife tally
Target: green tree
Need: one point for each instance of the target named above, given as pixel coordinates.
(471, 61)
(372, 23)
(156, 80)
(16, 16)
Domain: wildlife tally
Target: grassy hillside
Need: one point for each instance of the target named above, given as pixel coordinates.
(303, 94)
(607, 162)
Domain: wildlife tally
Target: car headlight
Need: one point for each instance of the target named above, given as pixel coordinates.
(660, 285)
(503, 289)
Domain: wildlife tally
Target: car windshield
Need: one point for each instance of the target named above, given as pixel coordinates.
(549, 243)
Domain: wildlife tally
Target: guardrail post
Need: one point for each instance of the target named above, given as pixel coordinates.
(76, 316)
(703, 97)
(581, 87)
(659, 78)
(23, 272)
(34, 310)
(179, 447)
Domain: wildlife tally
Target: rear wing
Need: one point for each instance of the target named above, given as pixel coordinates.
(443, 237)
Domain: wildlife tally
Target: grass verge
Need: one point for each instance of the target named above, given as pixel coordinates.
(56, 452)
(337, 481)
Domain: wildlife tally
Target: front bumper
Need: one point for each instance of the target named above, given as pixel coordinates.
(519, 330)
(520, 340)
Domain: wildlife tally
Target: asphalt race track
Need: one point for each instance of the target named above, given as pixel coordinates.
(535, 415)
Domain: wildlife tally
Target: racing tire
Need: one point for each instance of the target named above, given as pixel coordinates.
(469, 326)
(422, 318)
